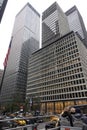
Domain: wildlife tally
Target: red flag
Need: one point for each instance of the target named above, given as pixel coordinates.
(6, 58)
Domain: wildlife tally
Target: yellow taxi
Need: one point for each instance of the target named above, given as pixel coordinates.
(20, 122)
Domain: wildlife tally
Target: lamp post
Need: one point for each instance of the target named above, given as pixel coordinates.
(30, 102)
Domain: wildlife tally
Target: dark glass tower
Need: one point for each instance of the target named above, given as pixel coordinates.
(76, 23)
(1, 74)
(2, 8)
(25, 41)
(54, 23)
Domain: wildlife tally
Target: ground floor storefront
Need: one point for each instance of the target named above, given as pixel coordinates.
(58, 106)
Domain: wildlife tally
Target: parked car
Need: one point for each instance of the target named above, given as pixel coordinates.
(50, 125)
(53, 123)
(31, 121)
(20, 122)
(39, 120)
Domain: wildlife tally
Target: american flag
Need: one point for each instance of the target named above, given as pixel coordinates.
(7, 55)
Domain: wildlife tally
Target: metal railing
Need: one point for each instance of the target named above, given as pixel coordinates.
(23, 127)
(69, 128)
(26, 127)
(31, 127)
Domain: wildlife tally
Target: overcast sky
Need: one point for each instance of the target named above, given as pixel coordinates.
(14, 6)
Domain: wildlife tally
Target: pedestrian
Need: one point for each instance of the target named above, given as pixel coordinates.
(78, 113)
(67, 113)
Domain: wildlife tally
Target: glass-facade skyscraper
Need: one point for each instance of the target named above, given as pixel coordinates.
(25, 40)
(2, 7)
(76, 23)
(54, 23)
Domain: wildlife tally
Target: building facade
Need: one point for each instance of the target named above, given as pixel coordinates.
(2, 8)
(57, 73)
(54, 23)
(1, 75)
(25, 40)
(76, 23)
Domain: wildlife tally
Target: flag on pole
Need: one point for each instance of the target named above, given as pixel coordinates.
(6, 58)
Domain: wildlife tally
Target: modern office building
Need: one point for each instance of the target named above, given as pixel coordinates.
(57, 73)
(76, 23)
(54, 23)
(2, 7)
(25, 40)
(1, 74)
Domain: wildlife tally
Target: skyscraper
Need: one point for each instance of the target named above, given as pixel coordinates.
(76, 23)
(25, 40)
(54, 23)
(2, 7)
(57, 72)
(1, 74)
